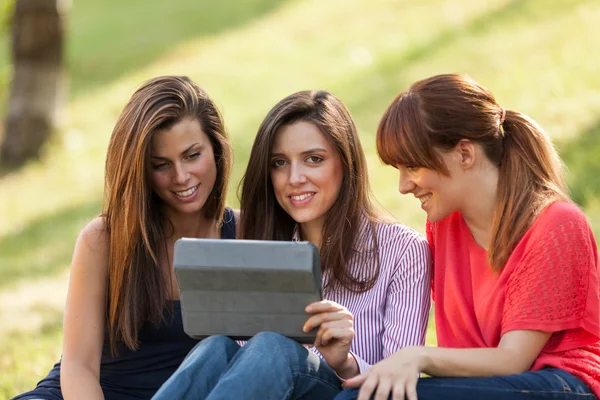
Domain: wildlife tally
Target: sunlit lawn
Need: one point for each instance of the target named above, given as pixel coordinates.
(536, 56)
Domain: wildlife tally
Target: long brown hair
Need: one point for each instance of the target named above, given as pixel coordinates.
(264, 219)
(137, 290)
(436, 113)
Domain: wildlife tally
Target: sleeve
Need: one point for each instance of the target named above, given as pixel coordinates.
(555, 279)
(408, 299)
(363, 366)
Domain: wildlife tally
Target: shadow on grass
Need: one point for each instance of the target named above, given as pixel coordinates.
(45, 246)
(111, 38)
(582, 158)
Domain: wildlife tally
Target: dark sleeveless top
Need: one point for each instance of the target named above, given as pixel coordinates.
(138, 374)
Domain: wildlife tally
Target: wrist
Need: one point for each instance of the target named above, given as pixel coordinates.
(349, 368)
(424, 360)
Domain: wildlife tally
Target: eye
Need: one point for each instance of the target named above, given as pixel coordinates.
(278, 162)
(193, 156)
(411, 168)
(314, 159)
(160, 166)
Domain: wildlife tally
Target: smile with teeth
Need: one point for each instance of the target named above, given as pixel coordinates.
(425, 198)
(188, 192)
(301, 197)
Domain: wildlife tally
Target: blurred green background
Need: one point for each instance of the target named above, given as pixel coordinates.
(537, 56)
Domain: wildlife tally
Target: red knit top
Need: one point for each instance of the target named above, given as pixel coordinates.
(550, 283)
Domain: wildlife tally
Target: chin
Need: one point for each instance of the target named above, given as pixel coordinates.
(301, 218)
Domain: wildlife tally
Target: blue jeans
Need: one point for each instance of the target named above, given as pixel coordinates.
(549, 383)
(269, 366)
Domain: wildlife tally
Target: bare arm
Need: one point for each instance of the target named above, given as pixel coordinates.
(514, 355)
(398, 374)
(85, 314)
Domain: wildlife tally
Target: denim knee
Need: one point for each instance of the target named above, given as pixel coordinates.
(217, 344)
(268, 339)
(272, 345)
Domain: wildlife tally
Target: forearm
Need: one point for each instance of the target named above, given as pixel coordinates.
(484, 362)
(78, 382)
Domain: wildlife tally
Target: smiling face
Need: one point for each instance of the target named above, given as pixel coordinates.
(182, 166)
(440, 195)
(306, 172)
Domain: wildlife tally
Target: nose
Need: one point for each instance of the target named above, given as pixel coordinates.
(297, 175)
(180, 174)
(405, 184)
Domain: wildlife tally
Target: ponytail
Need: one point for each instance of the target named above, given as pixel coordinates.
(530, 178)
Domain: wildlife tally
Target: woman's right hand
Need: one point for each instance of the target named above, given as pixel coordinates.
(395, 376)
(335, 333)
(83, 327)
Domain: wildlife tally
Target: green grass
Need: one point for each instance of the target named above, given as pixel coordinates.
(26, 357)
(535, 56)
(34, 250)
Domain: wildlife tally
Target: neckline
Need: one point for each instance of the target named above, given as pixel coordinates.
(472, 243)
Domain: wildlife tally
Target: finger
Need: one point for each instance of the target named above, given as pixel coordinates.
(398, 391)
(384, 388)
(337, 333)
(367, 388)
(340, 323)
(318, 338)
(411, 388)
(312, 323)
(318, 319)
(323, 306)
(356, 381)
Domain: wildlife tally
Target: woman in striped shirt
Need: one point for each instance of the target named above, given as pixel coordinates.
(307, 180)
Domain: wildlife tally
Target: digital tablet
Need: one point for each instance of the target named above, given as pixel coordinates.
(239, 288)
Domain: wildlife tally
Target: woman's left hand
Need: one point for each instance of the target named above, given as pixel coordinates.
(396, 375)
(335, 334)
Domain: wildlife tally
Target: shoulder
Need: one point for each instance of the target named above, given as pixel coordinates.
(236, 215)
(230, 223)
(91, 254)
(95, 235)
(561, 219)
(403, 252)
(393, 231)
(559, 236)
(560, 212)
(395, 238)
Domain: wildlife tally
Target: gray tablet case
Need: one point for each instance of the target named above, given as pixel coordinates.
(239, 288)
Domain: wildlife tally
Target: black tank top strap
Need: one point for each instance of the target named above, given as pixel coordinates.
(228, 228)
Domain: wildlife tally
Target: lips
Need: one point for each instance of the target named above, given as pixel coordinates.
(187, 192)
(301, 199)
(424, 199)
(302, 196)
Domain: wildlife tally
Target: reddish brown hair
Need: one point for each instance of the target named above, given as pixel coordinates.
(435, 114)
(137, 291)
(263, 218)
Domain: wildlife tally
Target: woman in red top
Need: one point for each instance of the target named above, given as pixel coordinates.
(516, 272)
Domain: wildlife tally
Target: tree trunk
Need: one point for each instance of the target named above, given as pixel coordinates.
(37, 92)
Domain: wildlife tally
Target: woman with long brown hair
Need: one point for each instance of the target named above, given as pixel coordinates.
(516, 273)
(307, 180)
(167, 168)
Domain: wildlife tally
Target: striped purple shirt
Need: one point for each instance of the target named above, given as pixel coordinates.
(394, 312)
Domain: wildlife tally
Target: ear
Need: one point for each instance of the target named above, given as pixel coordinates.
(465, 151)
